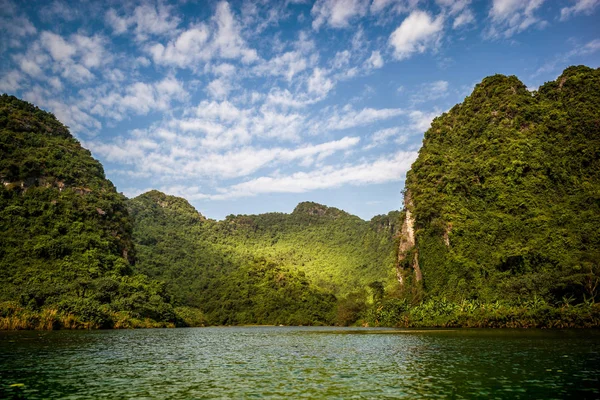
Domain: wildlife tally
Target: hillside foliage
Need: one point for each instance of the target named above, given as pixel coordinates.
(299, 268)
(66, 249)
(506, 194)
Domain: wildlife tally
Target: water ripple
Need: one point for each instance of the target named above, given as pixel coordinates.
(277, 362)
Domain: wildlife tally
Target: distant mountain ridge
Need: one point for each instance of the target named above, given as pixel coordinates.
(329, 252)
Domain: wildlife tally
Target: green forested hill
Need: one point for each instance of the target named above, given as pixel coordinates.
(315, 265)
(505, 195)
(66, 248)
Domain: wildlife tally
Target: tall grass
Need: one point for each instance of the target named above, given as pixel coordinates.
(15, 317)
(441, 313)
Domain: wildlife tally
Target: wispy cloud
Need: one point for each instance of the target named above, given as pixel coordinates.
(147, 20)
(381, 170)
(168, 155)
(418, 33)
(430, 91)
(337, 13)
(585, 7)
(563, 60)
(220, 39)
(349, 118)
(509, 17)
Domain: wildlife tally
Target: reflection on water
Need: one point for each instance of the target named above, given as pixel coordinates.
(300, 362)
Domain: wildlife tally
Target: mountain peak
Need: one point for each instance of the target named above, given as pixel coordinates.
(20, 116)
(319, 210)
(170, 203)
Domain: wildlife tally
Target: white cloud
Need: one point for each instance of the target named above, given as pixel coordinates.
(11, 82)
(417, 33)
(510, 17)
(586, 7)
(291, 62)
(147, 19)
(453, 7)
(381, 170)
(69, 114)
(430, 91)
(219, 88)
(59, 48)
(223, 111)
(321, 150)
(59, 10)
(319, 84)
(286, 65)
(375, 61)
(91, 50)
(564, 60)
(383, 135)
(224, 69)
(56, 83)
(223, 125)
(138, 97)
(202, 43)
(420, 120)
(228, 40)
(350, 118)
(459, 10)
(119, 25)
(341, 59)
(589, 48)
(190, 47)
(31, 68)
(464, 18)
(337, 13)
(73, 58)
(397, 6)
(172, 156)
(14, 27)
(285, 98)
(76, 73)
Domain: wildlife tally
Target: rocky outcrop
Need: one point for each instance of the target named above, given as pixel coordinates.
(407, 238)
(406, 247)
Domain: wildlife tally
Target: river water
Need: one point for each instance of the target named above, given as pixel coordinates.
(297, 362)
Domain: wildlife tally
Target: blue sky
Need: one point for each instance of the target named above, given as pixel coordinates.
(246, 107)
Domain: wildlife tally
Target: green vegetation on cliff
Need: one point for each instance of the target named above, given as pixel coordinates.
(317, 265)
(505, 196)
(66, 248)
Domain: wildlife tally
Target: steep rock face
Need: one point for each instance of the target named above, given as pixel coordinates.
(505, 190)
(408, 255)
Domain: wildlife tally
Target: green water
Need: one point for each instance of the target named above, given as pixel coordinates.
(277, 362)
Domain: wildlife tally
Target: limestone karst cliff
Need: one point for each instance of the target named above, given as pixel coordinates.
(503, 201)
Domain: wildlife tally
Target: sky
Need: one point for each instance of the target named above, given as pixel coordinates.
(246, 107)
